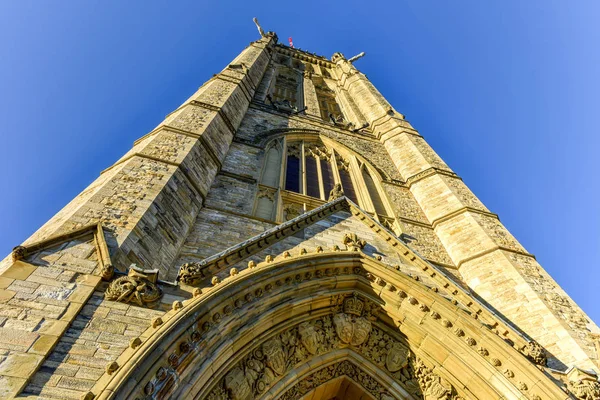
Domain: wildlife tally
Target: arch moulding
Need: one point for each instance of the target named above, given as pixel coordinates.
(291, 326)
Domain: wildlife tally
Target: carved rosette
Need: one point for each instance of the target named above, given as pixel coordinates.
(138, 287)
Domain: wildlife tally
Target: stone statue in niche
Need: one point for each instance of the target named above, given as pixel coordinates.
(137, 287)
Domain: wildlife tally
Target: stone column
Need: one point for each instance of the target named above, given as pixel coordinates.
(149, 198)
(489, 258)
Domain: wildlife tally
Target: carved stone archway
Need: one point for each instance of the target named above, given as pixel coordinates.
(265, 330)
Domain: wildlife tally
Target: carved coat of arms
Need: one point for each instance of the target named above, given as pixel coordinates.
(352, 328)
(309, 337)
(397, 357)
(274, 355)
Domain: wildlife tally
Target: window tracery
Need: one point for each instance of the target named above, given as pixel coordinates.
(299, 174)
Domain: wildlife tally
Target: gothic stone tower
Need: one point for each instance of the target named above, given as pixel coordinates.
(285, 233)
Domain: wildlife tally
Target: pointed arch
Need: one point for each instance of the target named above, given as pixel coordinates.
(262, 330)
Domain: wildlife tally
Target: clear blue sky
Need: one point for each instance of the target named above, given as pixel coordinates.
(507, 92)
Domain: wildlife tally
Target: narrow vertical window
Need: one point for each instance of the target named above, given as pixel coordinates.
(292, 176)
(312, 177)
(327, 173)
(373, 193)
(347, 185)
(272, 168)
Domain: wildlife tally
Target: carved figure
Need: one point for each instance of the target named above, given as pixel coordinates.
(336, 192)
(137, 287)
(107, 272)
(189, 273)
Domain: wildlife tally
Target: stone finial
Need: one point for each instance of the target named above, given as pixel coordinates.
(260, 29)
(177, 305)
(215, 280)
(353, 242)
(286, 254)
(233, 271)
(251, 264)
(269, 258)
(197, 292)
(19, 253)
(302, 251)
(319, 249)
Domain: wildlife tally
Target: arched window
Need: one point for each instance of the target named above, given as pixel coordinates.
(346, 179)
(373, 192)
(292, 175)
(310, 171)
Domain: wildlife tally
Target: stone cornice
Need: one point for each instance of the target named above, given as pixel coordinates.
(491, 250)
(304, 56)
(460, 211)
(308, 119)
(427, 173)
(243, 178)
